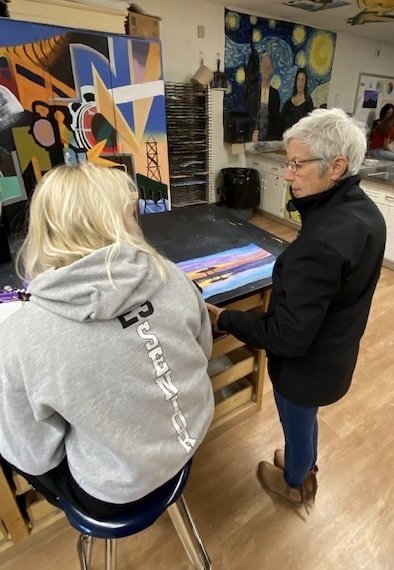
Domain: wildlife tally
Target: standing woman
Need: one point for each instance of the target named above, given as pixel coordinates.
(323, 285)
(300, 103)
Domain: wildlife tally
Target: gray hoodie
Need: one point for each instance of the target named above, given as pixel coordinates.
(114, 378)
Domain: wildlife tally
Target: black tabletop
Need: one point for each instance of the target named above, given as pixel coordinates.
(196, 231)
(191, 232)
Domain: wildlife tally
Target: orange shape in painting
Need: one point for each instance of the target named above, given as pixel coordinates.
(143, 107)
(93, 155)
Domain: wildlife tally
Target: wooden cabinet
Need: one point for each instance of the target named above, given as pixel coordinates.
(383, 196)
(389, 252)
(272, 196)
(238, 381)
(23, 511)
(275, 196)
(273, 184)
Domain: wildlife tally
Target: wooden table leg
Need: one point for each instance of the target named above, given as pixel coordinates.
(10, 513)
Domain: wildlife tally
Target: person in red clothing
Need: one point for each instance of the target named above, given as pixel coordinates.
(381, 141)
(386, 111)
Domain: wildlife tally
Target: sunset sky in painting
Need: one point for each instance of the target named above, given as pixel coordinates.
(230, 269)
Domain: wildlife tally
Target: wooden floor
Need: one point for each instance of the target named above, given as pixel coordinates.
(351, 526)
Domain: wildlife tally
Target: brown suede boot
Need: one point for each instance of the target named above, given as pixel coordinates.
(310, 482)
(272, 478)
(279, 458)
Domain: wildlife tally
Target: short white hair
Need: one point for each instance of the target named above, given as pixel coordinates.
(329, 133)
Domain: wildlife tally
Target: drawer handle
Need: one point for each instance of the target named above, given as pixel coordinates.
(274, 169)
(390, 198)
(255, 163)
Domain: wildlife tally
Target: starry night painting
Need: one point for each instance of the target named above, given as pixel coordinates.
(287, 47)
(228, 270)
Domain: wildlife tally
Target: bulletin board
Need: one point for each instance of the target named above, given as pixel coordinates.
(373, 91)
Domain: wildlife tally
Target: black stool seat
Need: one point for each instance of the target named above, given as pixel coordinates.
(142, 516)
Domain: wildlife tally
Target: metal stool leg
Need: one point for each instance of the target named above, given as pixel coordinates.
(188, 534)
(110, 553)
(89, 550)
(85, 553)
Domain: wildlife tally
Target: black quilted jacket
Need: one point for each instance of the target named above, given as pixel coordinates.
(322, 291)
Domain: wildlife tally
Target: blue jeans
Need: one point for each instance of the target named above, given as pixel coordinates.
(300, 429)
(382, 154)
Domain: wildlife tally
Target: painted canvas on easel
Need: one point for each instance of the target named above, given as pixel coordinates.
(72, 96)
(229, 270)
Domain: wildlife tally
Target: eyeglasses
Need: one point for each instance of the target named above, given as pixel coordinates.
(293, 165)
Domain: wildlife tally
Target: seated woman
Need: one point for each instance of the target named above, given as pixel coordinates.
(300, 103)
(382, 139)
(104, 391)
(386, 111)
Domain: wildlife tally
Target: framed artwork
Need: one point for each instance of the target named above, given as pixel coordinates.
(263, 58)
(373, 91)
(71, 96)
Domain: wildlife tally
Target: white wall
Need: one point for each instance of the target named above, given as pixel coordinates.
(181, 50)
(354, 55)
(181, 46)
(181, 58)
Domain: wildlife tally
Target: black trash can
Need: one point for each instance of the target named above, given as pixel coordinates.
(240, 190)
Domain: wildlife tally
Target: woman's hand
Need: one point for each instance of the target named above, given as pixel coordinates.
(388, 145)
(255, 136)
(216, 311)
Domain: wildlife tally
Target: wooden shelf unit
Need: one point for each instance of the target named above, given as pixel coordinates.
(23, 511)
(238, 389)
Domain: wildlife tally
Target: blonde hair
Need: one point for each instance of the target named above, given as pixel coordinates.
(76, 210)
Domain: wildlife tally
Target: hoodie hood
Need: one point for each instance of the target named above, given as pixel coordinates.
(83, 292)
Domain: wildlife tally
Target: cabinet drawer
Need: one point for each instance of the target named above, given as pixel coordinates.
(263, 165)
(232, 397)
(377, 195)
(277, 168)
(255, 163)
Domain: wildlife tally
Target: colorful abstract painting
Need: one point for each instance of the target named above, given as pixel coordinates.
(69, 96)
(230, 269)
(289, 46)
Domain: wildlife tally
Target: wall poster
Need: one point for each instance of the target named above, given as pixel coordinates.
(373, 91)
(68, 96)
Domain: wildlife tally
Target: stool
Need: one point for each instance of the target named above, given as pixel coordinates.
(167, 497)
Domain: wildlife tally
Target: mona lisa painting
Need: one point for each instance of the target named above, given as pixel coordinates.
(275, 68)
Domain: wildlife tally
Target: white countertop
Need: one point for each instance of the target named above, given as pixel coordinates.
(274, 156)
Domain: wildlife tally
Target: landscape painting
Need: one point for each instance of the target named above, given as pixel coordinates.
(229, 270)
